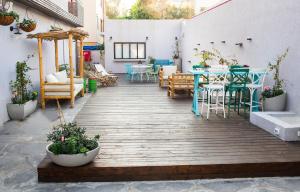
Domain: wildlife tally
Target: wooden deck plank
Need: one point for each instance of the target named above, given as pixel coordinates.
(147, 136)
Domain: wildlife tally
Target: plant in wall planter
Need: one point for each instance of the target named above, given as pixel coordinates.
(7, 17)
(70, 146)
(24, 101)
(28, 25)
(274, 98)
(176, 55)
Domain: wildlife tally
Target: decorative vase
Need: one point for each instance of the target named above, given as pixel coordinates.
(6, 20)
(275, 103)
(21, 111)
(28, 28)
(73, 160)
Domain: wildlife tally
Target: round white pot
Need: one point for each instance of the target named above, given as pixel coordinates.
(275, 103)
(73, 160)
(21, 111)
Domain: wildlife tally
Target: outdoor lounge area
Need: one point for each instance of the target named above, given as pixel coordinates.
(154, 96)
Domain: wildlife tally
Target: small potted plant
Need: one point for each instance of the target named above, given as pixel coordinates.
(24, 101)
(7, 17)
(70, 145)
(28, 25)
(176, 56)
(274, 98)
(205, 56)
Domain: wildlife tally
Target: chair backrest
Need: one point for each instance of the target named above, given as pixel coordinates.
(101, 69)
(128, 68)
(156, 69)
(169, 70)
(217, 76)
(258, 76)
(183, 79)
(238, 77)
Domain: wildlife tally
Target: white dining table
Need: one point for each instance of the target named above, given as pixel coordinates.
(140, 69)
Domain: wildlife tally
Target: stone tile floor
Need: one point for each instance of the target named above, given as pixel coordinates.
(22, 146)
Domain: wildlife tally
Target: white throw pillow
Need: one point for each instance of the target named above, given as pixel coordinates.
(61, 76)
(51, 78)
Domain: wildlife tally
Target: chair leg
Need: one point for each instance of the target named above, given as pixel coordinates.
(251, 99)
(72, 102)
(217, 102)
(239, 98)
(43, 103)
(208, 104)
(82, 93)
(202, 104)
(244, 91)
(223, 105)
(229, 102)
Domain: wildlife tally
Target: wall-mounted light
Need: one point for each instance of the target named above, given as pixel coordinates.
(223, 41)
(176, 38)
(212, 42)
(198, 44)
(110, 38)
(16, 29)
(147, 38)
(189, 61)
(239, 44)
(249, 39)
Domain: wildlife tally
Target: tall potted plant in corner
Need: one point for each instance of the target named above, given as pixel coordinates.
(176, 55)
(24, 101)
(274, 98)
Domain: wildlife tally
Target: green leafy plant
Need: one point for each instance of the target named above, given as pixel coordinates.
(4, 10)
(27, 22)
(151, 60)
(277, 88)
(69, 138)
(20, 88)
(223, 60)
(204, 57)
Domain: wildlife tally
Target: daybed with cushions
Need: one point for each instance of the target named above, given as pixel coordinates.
(59, 86)
(165, 72)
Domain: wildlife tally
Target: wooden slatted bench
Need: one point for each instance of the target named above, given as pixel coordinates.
(180, 82)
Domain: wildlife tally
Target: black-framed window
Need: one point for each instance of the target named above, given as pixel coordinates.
(130, 50)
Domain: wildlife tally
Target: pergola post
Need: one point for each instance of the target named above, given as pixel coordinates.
(56, 55)
(81, 69)
(42, 92)
(71, 70)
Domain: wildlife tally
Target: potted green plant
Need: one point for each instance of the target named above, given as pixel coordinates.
(7, 17)
(204, 56)
(24, 100)
(70, 145)
(274, 98)
(28, 25)
(176, 56)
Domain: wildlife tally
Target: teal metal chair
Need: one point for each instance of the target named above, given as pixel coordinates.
(153, 73)
(237, 81)
(129, 72)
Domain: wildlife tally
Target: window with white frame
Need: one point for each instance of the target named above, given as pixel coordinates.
(130, 50)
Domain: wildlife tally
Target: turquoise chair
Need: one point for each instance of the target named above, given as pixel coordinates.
(153, 73)
(129, 71)
(238, 79)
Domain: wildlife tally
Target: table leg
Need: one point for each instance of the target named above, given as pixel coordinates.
(195, 107)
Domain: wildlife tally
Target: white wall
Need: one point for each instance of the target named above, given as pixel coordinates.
(92, 19)
(15, 48)
(160, 44)
(274, 25)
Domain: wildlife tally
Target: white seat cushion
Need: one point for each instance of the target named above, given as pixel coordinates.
(101, 69)
(77, 89)
(76, 80)
(50, 78)
(61, 76)
(169, 70)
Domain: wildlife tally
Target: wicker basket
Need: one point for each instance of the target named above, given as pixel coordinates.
(28, 28)
(6, 20)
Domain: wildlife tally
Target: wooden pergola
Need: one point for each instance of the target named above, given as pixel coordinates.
(73, 34)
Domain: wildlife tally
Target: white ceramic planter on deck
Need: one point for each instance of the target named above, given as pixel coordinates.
(21, 111)
(275, 103)
(73, 160)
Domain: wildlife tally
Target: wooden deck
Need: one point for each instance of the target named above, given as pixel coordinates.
(147, 136)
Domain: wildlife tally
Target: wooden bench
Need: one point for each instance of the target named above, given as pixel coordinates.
(179, 82)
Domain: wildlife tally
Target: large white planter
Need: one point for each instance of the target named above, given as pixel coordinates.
(21, 111)
(275, 103)
(73, 160)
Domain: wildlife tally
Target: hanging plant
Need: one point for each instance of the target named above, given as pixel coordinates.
(28, 25)
(7, 17)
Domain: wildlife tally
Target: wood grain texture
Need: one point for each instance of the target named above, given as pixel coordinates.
(147, 136)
